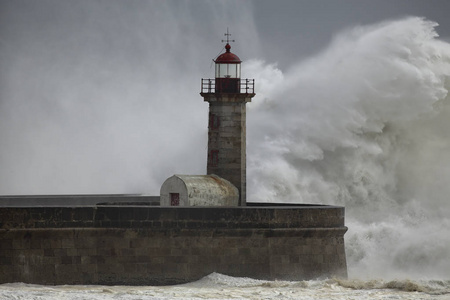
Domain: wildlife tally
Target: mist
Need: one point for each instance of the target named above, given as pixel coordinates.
(103, 97)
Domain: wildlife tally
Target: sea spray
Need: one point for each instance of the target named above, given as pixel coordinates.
(364, 124)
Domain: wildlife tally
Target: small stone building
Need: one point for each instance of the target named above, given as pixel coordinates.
(198, 190)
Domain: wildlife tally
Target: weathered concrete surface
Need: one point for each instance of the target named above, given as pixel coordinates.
(135, 245)
(199, 190)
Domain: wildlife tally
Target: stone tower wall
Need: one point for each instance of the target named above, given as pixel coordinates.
(227, 139)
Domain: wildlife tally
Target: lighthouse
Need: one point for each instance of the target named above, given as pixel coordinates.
(228, 95)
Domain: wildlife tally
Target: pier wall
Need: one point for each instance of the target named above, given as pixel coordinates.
(145, 245)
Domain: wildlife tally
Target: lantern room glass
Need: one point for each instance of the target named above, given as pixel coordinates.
(228, 70)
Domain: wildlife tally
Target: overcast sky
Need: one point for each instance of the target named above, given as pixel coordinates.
(292, 28)
(101, 96)
(287, 29)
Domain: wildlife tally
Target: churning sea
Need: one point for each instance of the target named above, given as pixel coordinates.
(219, 286)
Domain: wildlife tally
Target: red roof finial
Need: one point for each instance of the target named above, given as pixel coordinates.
(227, 47)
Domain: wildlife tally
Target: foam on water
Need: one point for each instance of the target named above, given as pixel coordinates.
(219, 286)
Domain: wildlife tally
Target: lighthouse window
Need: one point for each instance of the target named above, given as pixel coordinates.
(228, 70)
(214, 158)
(232, 70)
(214, 121)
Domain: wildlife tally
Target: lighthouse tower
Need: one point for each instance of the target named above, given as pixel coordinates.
(227, 95)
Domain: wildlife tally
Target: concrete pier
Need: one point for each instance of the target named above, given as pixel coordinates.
(145, 245)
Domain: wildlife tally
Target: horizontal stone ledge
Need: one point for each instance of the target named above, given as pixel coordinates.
(171, 217)
(64, 233)
(227, 98)
(173, 225)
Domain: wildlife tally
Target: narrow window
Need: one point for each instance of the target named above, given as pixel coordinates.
(214, 158)
(174, 199)
(214, 121)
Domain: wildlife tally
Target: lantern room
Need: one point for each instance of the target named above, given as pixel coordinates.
(228, 72)
(228, 65)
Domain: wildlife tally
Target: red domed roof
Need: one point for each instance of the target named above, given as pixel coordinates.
(228, 57)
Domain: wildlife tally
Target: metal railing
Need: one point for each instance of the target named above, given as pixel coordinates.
(247, 86)
(208, 86)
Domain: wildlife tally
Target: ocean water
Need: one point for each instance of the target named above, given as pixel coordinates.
(218, 286)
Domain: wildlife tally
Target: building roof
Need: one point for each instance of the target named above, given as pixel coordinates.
(209, 183)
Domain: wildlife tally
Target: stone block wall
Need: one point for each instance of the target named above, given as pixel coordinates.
(227, 138)
(158, 246)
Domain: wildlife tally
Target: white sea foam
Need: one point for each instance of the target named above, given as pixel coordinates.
(364, 124)
(219, 286)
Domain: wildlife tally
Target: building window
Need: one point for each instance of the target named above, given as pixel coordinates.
(174, 199)
(214, 158)
(214, 121)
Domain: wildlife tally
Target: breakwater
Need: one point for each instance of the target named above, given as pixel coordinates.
(145, 245)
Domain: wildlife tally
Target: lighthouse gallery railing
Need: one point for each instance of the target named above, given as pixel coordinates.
(247, 86)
